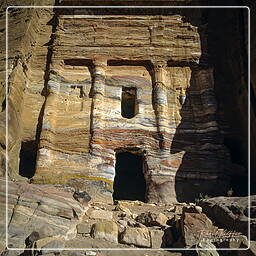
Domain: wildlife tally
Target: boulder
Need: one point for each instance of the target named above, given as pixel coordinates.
(106, 230)
(137, 236)
(101, 214)
(192, 225)
(152, 219)
(83, 228)
(231, 213)
(42, 242)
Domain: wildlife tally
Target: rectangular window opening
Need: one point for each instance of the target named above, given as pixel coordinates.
(129, 106)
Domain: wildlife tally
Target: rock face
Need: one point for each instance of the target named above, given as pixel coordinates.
(89, 95)
(36, 212)
(88, 87)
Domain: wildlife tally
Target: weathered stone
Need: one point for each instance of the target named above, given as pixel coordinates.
(81, 122)
(83, 228)
(123, 209)
(156, 238)
(192, 209)
(132, 223)
(55, 246)
(178, 209)
(101, 214)
(251, 251)
(123, 222)
(206, 245)
(59, 217)
(231, 212)
(82, 197)
(152, 219)
(43, 242)
(192, 224)
(137, 236)
(106, 230)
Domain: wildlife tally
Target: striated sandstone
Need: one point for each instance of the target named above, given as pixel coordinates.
(33, 208)
(174, 127)
(69, 75)
(69, 71)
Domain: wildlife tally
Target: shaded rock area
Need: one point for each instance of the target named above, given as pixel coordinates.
(232, 212)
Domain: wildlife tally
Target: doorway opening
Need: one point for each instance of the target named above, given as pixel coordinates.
(129, 183)
(28, 155)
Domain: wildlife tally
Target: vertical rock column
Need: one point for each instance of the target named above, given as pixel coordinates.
(160, 101)
(98, 91)
(44, 159)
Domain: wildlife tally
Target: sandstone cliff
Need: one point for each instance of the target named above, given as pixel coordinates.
(67, 72)
(149, 102)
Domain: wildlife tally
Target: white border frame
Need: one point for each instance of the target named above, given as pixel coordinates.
(130, 7)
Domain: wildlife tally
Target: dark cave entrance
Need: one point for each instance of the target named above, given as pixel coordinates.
(129, 183)
(28, 155)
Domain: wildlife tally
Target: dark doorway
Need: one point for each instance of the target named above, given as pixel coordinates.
(129, 183)
(28, 154)
(129, 102)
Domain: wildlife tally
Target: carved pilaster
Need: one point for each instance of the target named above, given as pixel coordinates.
(160, 99)
(98, 91)
(46, 139)
(99, 77)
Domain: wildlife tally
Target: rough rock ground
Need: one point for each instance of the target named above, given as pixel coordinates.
(42, 217)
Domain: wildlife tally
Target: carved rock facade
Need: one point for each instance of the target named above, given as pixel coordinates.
(92, 86)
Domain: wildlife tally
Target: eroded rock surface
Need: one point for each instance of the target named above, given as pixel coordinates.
(232, 212)
(71, 88)
(36, 212)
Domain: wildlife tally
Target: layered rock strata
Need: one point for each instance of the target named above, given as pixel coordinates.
(68, 125)
(175, 126)
(37, 208)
